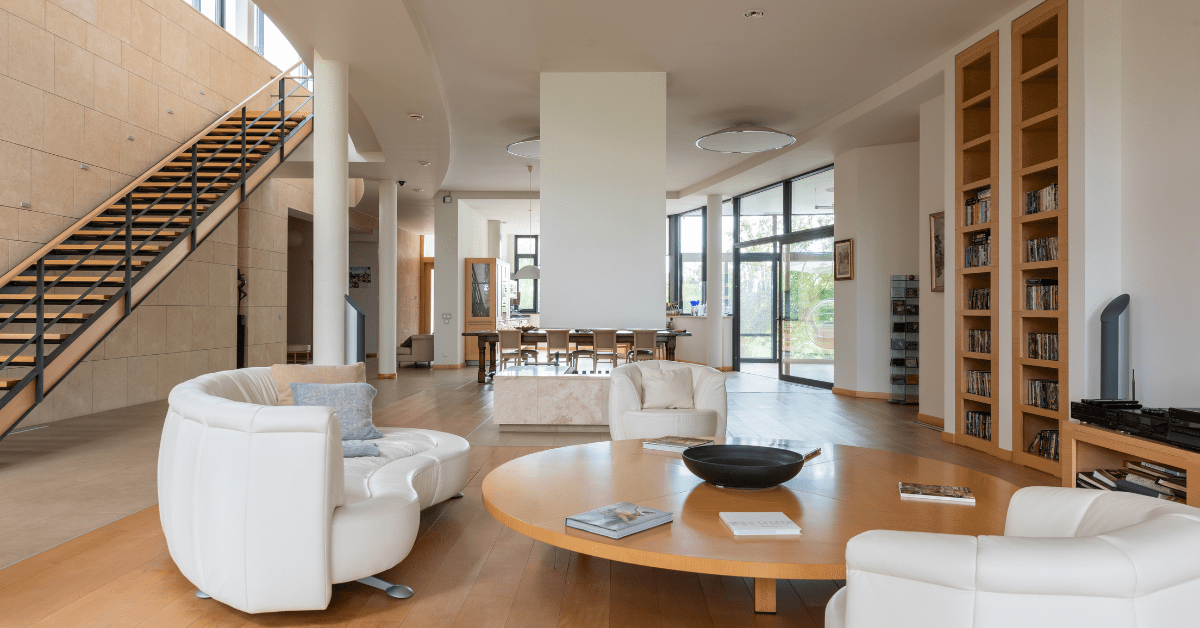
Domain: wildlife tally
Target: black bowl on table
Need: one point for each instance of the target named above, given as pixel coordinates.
(743, 466)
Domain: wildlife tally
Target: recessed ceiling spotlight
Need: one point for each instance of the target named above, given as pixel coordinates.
(422, 163)
(418, 190)
(530, 147)
(755, 13)
(745, 138)
(415, 116)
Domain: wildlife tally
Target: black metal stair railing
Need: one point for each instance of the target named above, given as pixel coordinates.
(93, 260)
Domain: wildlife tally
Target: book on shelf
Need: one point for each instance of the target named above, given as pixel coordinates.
(979, 299)
(1043, 393)
(1043, 346)
(1179, 473)
(979, 340)
(978, 424)
(675, 443)
(1041, 294)
(619, 520)
(1043, 200)
(979, 383)
(759, 524)
(979, 252)
(1045, 444)
(978, 208)
(1118, 480)
(1041, 249)
(1083, 479)
(936, 493)
(1138, 475)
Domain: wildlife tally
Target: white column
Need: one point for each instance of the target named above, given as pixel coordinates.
(331, 227)
(387, 278)
(713, 268)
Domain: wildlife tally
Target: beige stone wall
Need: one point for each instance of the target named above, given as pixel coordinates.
(408, 309)
(78, 78)
(263, 257)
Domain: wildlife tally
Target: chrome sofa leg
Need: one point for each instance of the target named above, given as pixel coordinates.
(202, 595)
(459, 496)
(397, 591)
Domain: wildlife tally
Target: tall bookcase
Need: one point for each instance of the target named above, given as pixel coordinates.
(977, 172)
(1039, 136)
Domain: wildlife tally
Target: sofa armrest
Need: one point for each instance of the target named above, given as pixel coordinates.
(1046, 511)
(926, 579)
(710, 394)
(422, 348)
(246, 499)
(624, 394)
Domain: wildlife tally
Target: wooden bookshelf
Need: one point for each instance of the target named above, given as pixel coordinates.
(1039, 160)
(1089, 447)
(977, 168)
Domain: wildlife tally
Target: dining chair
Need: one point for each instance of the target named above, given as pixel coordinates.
(644, 347)
(558, 342)
(581, 352)
(604, 347)
(510, 348)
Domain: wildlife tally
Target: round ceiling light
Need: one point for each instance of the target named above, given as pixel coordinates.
(755, 13)
(415, 116)
(745, 138)
(530, 147)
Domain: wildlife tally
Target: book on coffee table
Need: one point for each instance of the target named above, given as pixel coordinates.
(759, 524)
(619, 520)
(935, 493)
(675, 443)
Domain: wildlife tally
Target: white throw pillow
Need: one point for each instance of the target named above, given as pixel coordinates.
(667, 388)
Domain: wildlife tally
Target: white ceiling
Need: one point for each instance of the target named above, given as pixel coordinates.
(472, 67)
(513, 212)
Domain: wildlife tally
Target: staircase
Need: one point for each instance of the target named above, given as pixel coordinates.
(62, 301)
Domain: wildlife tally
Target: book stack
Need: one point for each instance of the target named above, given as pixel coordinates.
(935, 493)
(1143, 478)
(759, 524)
(979, 252)
(1043, 200)
(1041, 294)
(979, 340)
(979, 299)
(1043, 393)
(675, 443)
(619, 520)
(979, 208)
(1043, 346)
(979, 383)
(1042, 249)
(978, 424)
(1045, 444)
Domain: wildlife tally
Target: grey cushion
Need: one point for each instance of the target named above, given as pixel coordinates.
(358, 449)
(352, 402)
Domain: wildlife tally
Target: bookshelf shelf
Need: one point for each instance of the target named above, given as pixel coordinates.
(977, 270)
(976, 184)
(1089, 447)
(1039, 213)
(978, 102)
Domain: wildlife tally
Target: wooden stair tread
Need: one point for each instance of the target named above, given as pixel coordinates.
(20, 360)
(103, 263)
(167, 184)
(65, 281)
(172, 207)
(69, 317)
(8, 384)
(112, 249)
(55, 298)
(143, 219)
(137, 233)
(20, 338)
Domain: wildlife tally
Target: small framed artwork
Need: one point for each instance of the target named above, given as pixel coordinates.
(843, 260)
(937, 251)
(360, 276)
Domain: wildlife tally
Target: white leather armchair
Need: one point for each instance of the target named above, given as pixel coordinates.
(627, 418)
(261, 512)
(1068, 557)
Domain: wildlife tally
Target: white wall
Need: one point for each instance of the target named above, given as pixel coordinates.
(694, 348)
(877, 200)
(603, 199)
(932, 200)
(1160, 222)
(461, 233)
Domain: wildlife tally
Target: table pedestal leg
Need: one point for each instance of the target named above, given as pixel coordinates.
(482, 361)
(764, 595)
(671, 351)
(492, 365)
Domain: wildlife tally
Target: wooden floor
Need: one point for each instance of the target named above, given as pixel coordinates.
(466, 568)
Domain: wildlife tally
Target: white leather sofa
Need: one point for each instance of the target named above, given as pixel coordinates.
(261, 512)
(627, 418)
(1068, 557)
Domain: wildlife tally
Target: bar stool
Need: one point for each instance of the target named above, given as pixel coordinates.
(510, 348)
(558, 341)
(604, 347)
(645, 345)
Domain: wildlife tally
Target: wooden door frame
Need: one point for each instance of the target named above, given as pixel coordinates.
(425, 325)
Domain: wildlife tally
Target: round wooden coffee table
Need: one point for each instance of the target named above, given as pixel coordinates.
(837, 495)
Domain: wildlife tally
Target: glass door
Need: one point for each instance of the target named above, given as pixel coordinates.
(806, 312)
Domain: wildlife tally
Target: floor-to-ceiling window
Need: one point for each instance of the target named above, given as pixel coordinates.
(783, 313)
(526, 254)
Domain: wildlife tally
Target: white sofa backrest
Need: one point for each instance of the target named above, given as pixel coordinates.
(1055, 513)
(244, 484)
(703, 378)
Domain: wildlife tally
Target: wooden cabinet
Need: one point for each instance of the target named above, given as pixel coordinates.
(487, 299)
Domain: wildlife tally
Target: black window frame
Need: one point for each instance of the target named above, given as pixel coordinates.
(517, 265)
(675, 253)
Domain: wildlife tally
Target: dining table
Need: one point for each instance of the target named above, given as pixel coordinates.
(579, 337)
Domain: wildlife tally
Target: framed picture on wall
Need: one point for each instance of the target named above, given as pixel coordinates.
(843, 260)
(937, 251)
